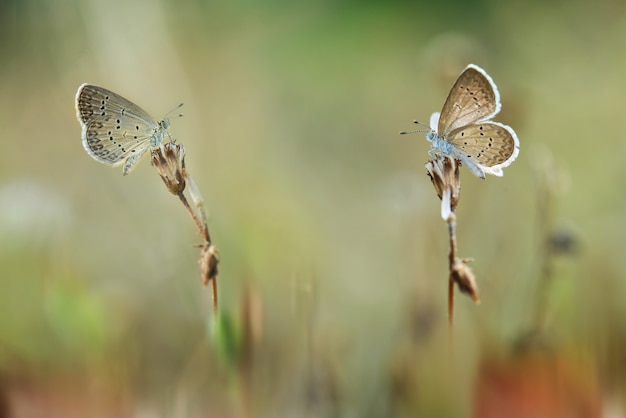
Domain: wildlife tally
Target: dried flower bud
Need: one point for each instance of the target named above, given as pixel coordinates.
(464, 278)
(169, 161)
(208, 263)
(444, 174)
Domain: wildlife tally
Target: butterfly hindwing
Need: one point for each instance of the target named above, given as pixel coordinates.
(490, 145)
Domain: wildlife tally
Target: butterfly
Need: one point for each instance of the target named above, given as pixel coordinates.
(114, 129)
(463, 130)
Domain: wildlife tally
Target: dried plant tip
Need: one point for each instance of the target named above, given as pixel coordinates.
(444, 174)
(464, 278)
(169, 161)
(208, 263)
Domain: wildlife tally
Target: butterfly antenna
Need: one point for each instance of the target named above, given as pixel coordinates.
(169, 114)
(417, 130)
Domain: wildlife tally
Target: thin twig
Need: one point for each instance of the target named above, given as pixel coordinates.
(198, 202)
(201, 228)
(169, 161)
(214, 294)
(450, 304)
(444, 174)
(451, 261)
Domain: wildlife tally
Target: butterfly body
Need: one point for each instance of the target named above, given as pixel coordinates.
(463, 129)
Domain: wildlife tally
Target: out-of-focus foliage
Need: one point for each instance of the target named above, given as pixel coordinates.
(333, 273)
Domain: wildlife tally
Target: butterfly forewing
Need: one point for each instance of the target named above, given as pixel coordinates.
(490, 144)
(97, 102)
(474, 97)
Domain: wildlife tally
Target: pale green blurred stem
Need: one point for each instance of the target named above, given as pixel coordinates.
(546, 180)
(198, 202)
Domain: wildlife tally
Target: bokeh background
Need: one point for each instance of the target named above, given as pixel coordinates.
(333, 274)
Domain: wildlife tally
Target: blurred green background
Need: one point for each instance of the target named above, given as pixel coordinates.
(333, 274)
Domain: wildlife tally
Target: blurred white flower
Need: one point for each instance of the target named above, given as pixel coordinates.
(31, 213)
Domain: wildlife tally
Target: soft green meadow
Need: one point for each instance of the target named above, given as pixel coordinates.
(333, 273)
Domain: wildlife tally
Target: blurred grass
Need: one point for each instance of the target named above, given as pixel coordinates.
(291, 118)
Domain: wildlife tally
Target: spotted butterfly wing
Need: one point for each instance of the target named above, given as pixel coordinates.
(115, 130)
(485, 147)
(474, 97)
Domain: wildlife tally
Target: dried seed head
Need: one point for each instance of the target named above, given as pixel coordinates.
(208, 263)
(464, 278)
(444, 174)
(169, 161)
